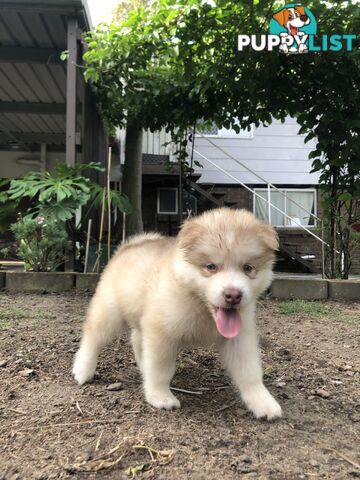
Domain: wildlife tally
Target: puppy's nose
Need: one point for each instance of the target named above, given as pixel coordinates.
(303, 18)
(232, 296)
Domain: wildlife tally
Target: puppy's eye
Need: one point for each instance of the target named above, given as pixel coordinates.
(211, 267)
(248, 268)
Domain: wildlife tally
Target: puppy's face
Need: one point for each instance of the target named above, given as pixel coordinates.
(292, 18)
(227, 256)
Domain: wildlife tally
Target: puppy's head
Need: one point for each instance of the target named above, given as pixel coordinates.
(226, 257)
(292, 18)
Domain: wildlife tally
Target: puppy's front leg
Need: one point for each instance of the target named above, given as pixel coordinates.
(241, 358)
(158, 368)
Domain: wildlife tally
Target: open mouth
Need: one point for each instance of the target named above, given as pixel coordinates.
(228, 321)
(293, 30)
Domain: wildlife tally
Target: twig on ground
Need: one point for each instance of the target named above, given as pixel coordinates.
(15, 410)
(114, 456)
(97, 446)
(210, 389)
(182, 390)
(79, 408)
(229, 405)
(343, 456)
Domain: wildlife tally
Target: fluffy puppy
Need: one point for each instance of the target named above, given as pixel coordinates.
(197, 289)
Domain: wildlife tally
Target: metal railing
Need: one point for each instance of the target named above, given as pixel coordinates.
(270, 187)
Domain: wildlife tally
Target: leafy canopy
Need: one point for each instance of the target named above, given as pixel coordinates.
(174, 62)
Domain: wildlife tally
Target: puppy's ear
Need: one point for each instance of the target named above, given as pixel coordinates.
(300, 9)
(190, 234)
(281, 17)
(269, 236)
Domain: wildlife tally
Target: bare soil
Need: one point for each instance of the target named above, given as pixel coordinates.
(52, 429)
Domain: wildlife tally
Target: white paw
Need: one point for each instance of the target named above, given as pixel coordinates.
(83, 369)
(163, 400)
(261, 403)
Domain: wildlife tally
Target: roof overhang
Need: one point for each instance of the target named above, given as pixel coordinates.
(33, 78)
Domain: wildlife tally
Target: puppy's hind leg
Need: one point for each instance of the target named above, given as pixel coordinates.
(102, 324)
(136, 341)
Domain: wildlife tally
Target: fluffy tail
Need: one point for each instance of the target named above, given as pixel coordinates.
(103, 323)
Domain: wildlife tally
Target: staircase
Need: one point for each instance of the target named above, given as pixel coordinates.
(299, 253)
(193, 187)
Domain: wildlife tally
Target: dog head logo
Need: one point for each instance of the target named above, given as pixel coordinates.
(294, 23)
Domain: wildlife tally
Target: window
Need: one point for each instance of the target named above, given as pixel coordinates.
(214, 131)
(167, 201)
(296, 215)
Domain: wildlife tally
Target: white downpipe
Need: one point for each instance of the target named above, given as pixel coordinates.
(269, 203)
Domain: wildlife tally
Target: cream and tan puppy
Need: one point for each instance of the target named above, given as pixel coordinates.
(197, 289)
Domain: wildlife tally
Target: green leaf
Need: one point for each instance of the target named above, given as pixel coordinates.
(64, 55)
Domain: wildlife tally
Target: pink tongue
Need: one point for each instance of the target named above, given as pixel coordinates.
(228, 322)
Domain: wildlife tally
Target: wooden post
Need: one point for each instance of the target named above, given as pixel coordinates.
(71, 89)
(109, 204)
(87, 246)
(180, 194)
(71, 93)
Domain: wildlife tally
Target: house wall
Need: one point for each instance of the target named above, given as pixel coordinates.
(157, 143)
(16, 164)
(277, 153)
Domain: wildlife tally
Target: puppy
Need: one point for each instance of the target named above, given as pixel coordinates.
(197, 289)
(292, 19)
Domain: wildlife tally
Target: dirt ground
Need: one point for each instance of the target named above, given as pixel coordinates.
(52, 429)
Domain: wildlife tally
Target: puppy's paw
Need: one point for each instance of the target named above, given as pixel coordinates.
(262, 403)
(163, 400)
(83, 370)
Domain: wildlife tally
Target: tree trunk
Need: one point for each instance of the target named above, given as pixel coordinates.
(132, 179)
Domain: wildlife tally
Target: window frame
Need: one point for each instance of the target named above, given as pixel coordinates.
(176, 201)
(286, 190)
(232, 136)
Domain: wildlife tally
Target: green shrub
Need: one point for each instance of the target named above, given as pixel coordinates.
(40, 243)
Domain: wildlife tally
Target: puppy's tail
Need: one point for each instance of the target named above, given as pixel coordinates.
(103, 323)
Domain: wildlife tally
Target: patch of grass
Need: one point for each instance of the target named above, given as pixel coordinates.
(41, 314)
(303, 307)
(4, 325)
(348, 318)
(317, 309)
(19, 314)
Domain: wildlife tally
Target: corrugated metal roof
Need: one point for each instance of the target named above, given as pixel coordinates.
(32, 78)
